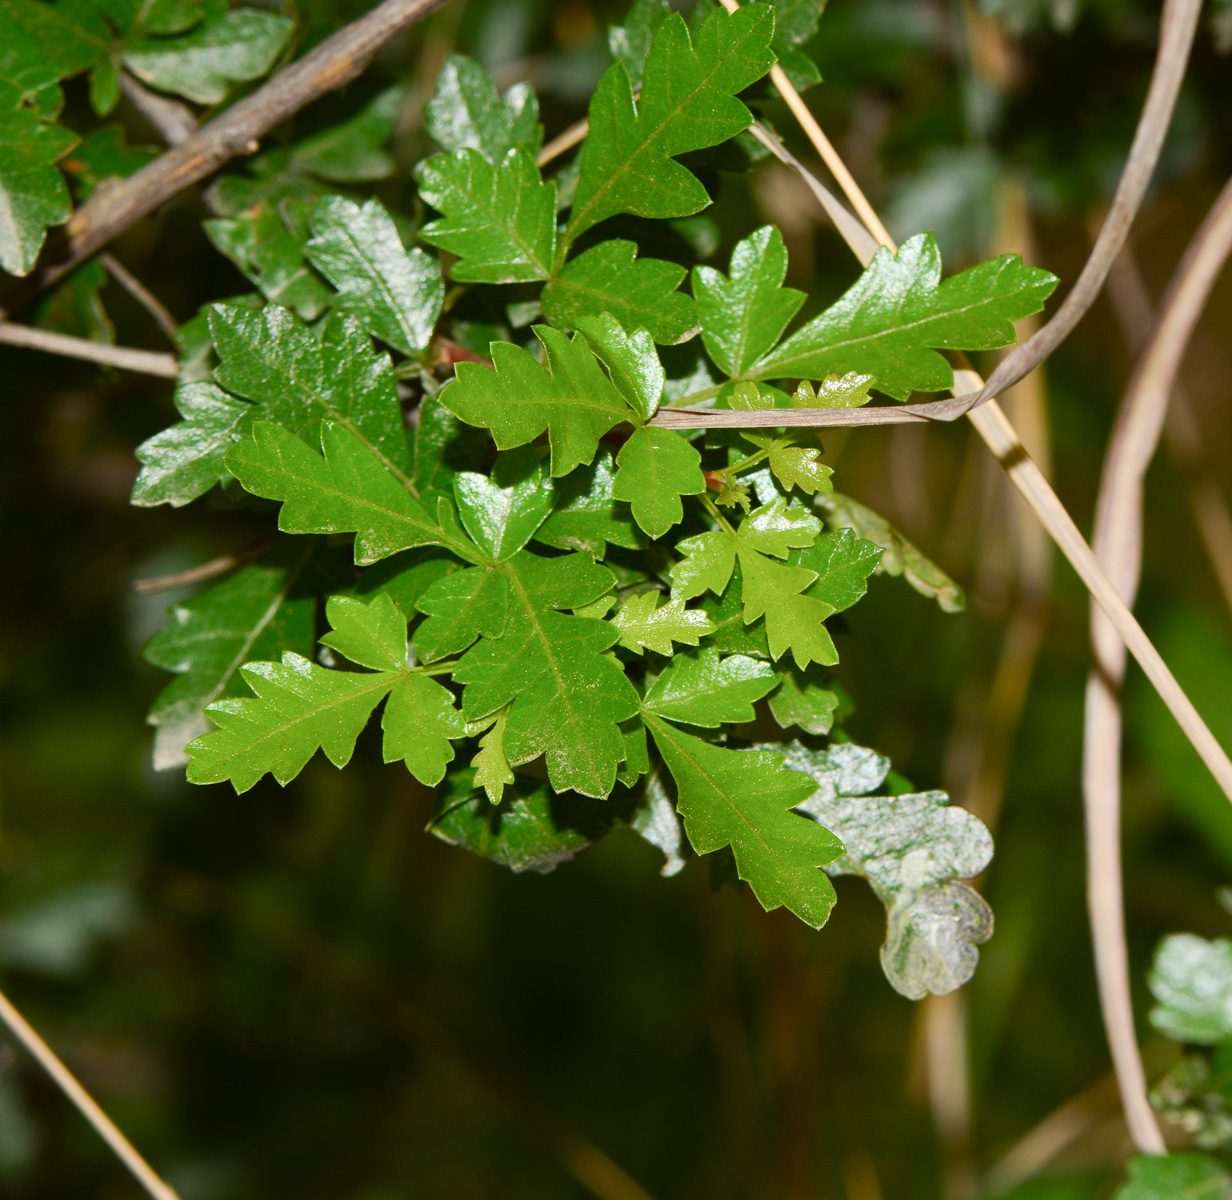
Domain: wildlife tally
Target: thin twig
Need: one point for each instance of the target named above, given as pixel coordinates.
(206, 570)
(1118, 546)
(146, 362)
(174, 121)
(1134, 309)
(86, 1105)
(336, 61)
(139, 292)
(563, 141)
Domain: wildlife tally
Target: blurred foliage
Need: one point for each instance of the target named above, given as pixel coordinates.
(298, 991)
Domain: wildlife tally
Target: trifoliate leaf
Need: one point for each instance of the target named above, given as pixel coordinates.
(501, 512)
(568, 397)
(346, 491)
(639, 292)
(804, 701)
(654, 468)
(656, 821)
(460, 608)
(1191, 979)
(208, 638)
(397, 294)
(704, 689)
(744, 315)
(688, 102)
(33, 194)
(531, 830)
(896, 317)
(843, 563)
(466, 113)
(744, 799)
(1175, 1176)
(566, 697)
(499, 218)
(631, 359)
(353, 150)
(911, 849)
(271, 255)
(227, 47)
(587, 515)
(492, 770)
(185, 461)
(900, 556)
(630, 43)
(643, 626)
(298, 380)
(301, 707)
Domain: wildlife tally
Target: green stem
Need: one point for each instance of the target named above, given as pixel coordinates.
(440, 668)
(713, 509)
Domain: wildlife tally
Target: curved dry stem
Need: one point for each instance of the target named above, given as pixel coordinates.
(123, 1149)
(1118, 546)
(142, 294)
(145, 362)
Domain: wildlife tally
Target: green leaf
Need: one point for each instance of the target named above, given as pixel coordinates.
(75, 308)
(726, 613)
(532, 830)
(805, 702)
(300, 708)
(466, 113)
(346, 491)
(642, 625)
(396, 294)
(566, 698)
(298, 380)
(744, 316)
(654, 468)
(271, 255)
(843, 562)
(499, 219)
(568, 397)
(353, 150)
(229, 47)
(899, 557)
(631, 359)
(630, 43)
(587, 514)
(40, 43)
(103, 154)
(744, 799)
(795, 22)
(492, 770)
(834, 391)
(502, 512)
(1191, 979)
(1176, 1176)
(208, 638)
(33, 194)
(460, 608)
(799, 466)
(186, 460)
(896, 317)
(911, 849)
(688, 102)
(639, 292)
(794, 617)
(704, 689)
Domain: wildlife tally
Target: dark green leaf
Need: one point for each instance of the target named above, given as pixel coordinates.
(500, 219)
(466, 113)
(1176, 1176)
(631, 360)
(654, 468)
(75, 307)
(396, 294)
(896, 317)
(804, 701)
(353, 151)
(103, 154)
(743, 315)
(502, 512)
(688, 102)
(33, 194)
(587, 515)
(639, 292)
(744, 799)
(630, 42)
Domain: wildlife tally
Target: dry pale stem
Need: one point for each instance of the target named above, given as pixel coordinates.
(86, 1105)
(146, 362)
